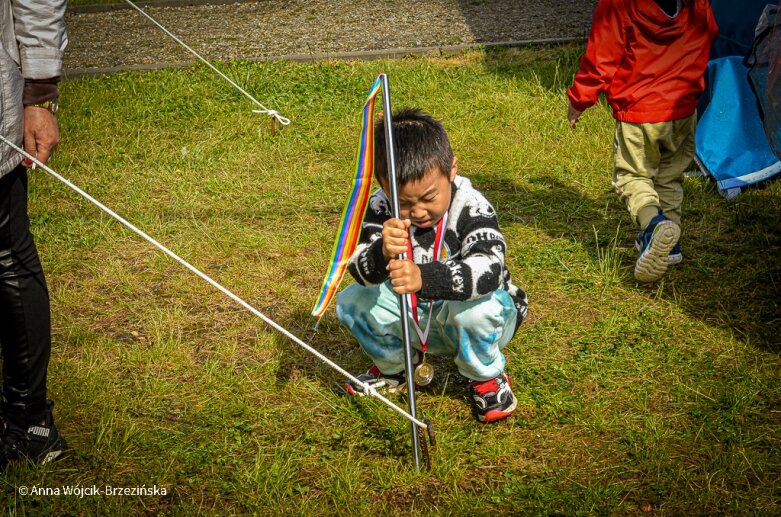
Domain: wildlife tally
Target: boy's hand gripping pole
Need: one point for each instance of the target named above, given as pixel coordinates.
(387, 118)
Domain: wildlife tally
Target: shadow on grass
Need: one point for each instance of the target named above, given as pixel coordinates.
(337, 344)
(731, 270)
(728, 279)
(731, 277)
(329, 339)
(510, 20)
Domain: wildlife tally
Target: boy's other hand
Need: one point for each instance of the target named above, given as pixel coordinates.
(572, 114)
(405, 276)
(394, 237)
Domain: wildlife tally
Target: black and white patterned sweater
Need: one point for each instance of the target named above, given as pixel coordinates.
(472, 264)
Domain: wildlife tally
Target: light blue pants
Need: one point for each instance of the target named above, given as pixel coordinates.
(472, 332)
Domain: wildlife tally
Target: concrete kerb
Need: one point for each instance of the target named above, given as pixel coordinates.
(367, 55)
(119, 6)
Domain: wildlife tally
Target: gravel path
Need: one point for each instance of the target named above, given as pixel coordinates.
(273, 28)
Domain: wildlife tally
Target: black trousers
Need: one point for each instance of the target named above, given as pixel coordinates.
(25, 320)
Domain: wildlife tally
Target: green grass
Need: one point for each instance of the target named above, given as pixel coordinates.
(631, 398)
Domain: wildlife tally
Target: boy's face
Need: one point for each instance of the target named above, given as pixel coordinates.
(425, 202)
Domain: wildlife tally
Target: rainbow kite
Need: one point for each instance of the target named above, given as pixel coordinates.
(352, 216)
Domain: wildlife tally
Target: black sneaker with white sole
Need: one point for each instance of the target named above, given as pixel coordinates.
(377, 380)
(38, 443)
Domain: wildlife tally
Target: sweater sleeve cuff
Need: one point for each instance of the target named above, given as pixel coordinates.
(41, 62)
(378, 259)
(370, 265)
(441, 282)
(578, 105)
(38, 91)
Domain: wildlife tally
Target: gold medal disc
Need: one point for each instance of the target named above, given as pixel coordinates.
(423, 374)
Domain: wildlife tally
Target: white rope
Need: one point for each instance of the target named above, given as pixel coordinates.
(282, 120)
(369, 390)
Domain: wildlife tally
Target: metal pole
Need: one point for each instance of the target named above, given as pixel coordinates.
(402, 299)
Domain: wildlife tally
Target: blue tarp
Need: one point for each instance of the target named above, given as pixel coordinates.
(731, 144)
(730, 139)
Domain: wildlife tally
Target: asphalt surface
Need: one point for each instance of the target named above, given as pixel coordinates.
(107, 38)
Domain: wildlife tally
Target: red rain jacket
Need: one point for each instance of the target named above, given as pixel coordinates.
(650, 66)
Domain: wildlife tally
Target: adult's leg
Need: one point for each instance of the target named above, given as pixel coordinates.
(25, 328)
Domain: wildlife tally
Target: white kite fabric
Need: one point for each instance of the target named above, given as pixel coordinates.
(282, 120)
(369, 390)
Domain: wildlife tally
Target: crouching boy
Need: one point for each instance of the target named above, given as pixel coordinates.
(455, 269)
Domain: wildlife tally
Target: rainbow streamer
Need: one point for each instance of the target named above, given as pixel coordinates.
(352, 216)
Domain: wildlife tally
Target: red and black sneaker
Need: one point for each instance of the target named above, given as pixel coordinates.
(494, 399)
(377, 380)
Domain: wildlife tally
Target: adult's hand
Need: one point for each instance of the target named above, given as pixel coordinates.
(41, 133)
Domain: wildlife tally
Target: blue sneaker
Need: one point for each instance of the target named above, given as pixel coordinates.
(655, 243)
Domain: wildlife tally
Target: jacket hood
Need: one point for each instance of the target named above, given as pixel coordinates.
(654, 22)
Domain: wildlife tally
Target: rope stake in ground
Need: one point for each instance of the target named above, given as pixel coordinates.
(367, 389)
(277, 118)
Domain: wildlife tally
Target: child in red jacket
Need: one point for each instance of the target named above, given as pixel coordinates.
(649, 58)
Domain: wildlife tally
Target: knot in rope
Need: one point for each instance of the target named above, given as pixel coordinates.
(284, 121)
(279, 118)
(370, 390)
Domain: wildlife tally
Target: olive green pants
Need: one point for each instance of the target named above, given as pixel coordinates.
(649, 160)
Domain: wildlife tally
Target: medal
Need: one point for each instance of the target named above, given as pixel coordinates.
(424, 372)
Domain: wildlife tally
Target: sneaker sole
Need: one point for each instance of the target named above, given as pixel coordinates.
(51, 456)
(672, 259)
(653, 262)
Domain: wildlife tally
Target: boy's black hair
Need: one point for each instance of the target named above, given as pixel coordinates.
(421, 143)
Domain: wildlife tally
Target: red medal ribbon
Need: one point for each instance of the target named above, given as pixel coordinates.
(439, 240)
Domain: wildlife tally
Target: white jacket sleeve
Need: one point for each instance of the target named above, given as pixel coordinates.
(40, 32)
